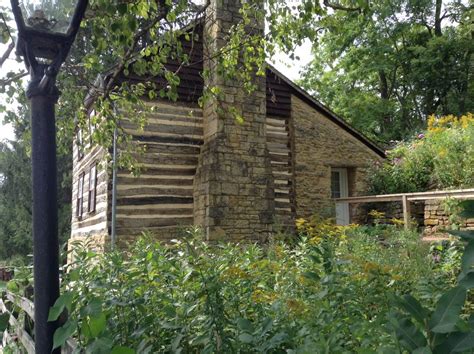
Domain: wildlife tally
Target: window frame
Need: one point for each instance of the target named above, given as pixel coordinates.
(92, 191)
(80, 196)
(80, 145)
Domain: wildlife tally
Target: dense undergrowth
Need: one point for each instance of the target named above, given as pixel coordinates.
(331, 290)
(441, 157)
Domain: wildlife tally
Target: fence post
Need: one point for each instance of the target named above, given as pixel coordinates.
(406, 212)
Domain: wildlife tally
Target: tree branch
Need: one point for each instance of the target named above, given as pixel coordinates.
(7, 53)
(340, 7)
(13, 78)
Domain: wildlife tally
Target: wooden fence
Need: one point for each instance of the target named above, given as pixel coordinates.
(406, 198)
(22, 314)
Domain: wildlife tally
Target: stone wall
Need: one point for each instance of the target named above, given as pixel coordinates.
(320, 145)
(393, 210)
(437, 219)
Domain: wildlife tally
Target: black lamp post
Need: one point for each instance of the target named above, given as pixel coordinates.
(44, 40)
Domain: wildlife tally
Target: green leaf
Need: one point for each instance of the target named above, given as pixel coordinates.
(4, 318)
(63, 333)
(423, 350)
(409, 336)
(311, 275)
(467, 209)
(464, 234)
(467, 280)
(12, 286)
(414, 308)
(122, 350)
(94, 307)
(467, 261)
(97, 324)
(245, 325)
(447, 311)
(74, 275)
(457, 343)
(176, 341)
(246, 338)
(102, 345)
(64, 301)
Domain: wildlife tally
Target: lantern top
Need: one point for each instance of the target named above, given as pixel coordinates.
(48, 15)
(47, 28)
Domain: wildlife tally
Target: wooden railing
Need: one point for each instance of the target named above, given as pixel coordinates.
(19, 329)
(406, 198)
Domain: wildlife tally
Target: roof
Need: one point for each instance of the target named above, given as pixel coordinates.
(313, 102)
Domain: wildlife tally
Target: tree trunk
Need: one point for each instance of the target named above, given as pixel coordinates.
(438, 19)
(384, 95)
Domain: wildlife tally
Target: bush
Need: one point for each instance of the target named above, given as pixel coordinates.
(330, 291)
(442, 157)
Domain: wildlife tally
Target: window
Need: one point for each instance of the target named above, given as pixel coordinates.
(92, 189)
(80, 147)
(92, 122)
(80, 196)
(340, 189)
(335, 184)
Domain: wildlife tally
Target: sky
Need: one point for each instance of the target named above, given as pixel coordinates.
(281, 61)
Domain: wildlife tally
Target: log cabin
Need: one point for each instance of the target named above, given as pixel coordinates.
(235, 181)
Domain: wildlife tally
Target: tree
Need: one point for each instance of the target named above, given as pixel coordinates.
(387, 68)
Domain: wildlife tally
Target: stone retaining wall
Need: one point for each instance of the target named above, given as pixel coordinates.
(392, 210)
(437, 219)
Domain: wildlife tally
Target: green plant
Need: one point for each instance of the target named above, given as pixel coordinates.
(441, 157)
(444, 329)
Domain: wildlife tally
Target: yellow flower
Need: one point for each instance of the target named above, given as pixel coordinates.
(300, 222)
(260, 296)
(377, 214)
(296, 307)
(398, 222)
(234, 273)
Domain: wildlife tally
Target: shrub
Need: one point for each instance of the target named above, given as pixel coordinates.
(325, 292)
(441, 157)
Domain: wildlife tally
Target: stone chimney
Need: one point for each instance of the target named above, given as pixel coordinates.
(233, 186)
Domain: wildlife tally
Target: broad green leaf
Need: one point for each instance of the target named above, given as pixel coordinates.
(100, 345)
(423, 350)
(414, 308)
(122, 350)
(464, 234)
(457, 343)
(467, 209)
(246, 338)
(245, 325)
(4, 317)
(409, 336)
(311, 275)
(176, 341)
(467, 261)
(64, 301)
(74, 275)
(447, 310)
(267, 325)
(63, 333)
(467, 280)
(94, 307)
(97, 324)
(12, 286)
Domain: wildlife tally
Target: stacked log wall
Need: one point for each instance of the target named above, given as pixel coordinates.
(92, 226)
(160, 198)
